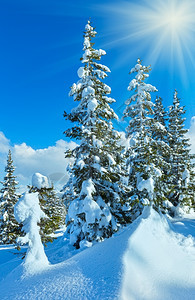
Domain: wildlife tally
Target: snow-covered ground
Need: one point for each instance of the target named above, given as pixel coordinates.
(150, 259)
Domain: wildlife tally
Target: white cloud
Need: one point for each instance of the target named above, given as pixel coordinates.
(4, 143)
(49, 161)
(191, 134)
(4, 147)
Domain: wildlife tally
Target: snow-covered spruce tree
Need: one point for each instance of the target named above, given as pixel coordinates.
(97, 204)
(51, 204)
(144, 168)
(181, 180)
(9, 227)
(28, 212)
(161, 151)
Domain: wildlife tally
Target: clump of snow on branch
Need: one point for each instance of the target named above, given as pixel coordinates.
(147, 184)
(186, 177)
(40, 181)
(91, 208)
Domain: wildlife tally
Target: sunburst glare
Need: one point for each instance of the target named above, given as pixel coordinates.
(165, 29)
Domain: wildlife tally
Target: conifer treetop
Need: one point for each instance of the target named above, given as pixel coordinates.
(9, 183)
(139, 106)
(90, 91)
(142, 74)
(176, 121)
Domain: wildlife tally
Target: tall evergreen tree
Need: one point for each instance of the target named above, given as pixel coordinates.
(143, 172)
(97, 202)
(181, 174)
(161, 150)
(9, 227)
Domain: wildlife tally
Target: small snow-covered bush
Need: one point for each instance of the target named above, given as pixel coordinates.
(28, 212)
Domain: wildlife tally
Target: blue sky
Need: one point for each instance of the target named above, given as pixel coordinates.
(41, 46)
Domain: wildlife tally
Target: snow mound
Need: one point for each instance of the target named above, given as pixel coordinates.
(40, 181)
(158, 264)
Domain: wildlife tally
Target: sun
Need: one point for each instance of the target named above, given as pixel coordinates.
(173, 20)
(174, 16)
(165, 29)
(172, 23)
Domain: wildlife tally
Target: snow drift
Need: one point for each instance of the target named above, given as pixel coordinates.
(146, 260)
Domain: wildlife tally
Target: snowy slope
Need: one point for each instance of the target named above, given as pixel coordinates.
(158, 264)
(147, 260)
(94, 273)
